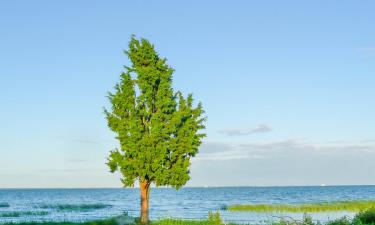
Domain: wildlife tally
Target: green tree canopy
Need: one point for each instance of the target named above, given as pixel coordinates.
(157, 128)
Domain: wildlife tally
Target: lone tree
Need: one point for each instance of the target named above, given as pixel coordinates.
(158, 128)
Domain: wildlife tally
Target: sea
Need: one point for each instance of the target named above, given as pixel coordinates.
(78, 205)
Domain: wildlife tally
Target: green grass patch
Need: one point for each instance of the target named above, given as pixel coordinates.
(99, 222)
(363, 218)
(213, 219)
(112, 221)
(349, 206)
(181, 222)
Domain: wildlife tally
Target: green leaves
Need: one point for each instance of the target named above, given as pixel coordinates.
(158, 129)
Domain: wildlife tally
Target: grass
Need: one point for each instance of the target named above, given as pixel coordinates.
(363, 218)
(349, 206)
(213, 219)
(115, 222)
(182, 222)
(111, 221)
(99, 222)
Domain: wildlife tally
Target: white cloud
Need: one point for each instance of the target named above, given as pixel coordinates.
(280, 149)
(284, 162)
(86, 141)
(261, 128)
(75, 160)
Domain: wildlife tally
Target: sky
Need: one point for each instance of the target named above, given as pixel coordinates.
(287, 86)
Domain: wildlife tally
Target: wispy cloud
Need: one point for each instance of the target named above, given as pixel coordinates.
(69, 170)
(86, 141)
(353, 142)
(75, 160)
(280, 149)
(221, 151)
(261, 128)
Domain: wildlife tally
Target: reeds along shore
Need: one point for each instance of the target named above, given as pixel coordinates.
(362, 218)
(349, 206)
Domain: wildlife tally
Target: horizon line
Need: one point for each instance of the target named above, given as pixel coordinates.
(198, 186)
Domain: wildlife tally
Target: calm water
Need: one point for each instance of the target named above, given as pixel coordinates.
(88, 204)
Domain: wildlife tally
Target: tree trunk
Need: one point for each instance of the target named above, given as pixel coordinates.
(145, 196)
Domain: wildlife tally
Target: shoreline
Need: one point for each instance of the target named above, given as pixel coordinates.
(188, 187)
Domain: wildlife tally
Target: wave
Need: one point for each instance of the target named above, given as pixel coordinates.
(22, 213)
(75, 207)
(4, 205)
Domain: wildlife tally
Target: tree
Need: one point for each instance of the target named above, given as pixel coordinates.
(158, 129)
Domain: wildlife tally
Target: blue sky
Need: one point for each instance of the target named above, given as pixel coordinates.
(288, 88)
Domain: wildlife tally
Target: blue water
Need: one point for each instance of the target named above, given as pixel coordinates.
(18, 205)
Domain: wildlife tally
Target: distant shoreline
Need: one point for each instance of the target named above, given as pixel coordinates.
(188, 187)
